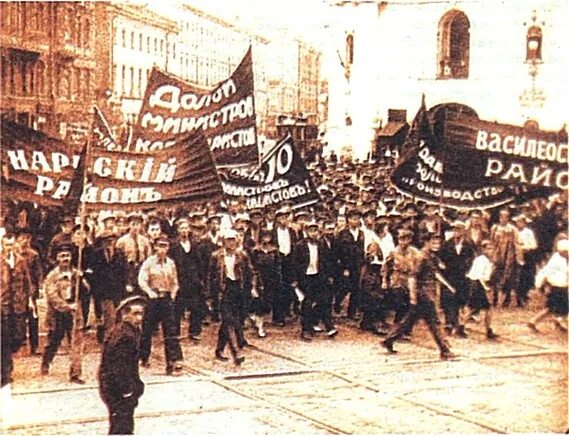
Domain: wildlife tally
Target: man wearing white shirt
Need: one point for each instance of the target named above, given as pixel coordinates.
(314, 274)
(527, 246)
(554, 274)
(285, 238)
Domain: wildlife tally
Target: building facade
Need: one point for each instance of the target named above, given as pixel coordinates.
(48, 66)
(507, 60)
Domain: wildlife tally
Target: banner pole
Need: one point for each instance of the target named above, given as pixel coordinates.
(75, 369)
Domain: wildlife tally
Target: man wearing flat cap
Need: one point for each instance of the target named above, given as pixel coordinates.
(120, 386)
(313, 277)
(285, 238)
(108, 267)
(59, 286)
(158, 279)
(230, 276)
(457, 255)
(65, 236)
(351, 252)
(136, 248)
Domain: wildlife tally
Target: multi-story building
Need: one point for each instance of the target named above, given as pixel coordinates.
(507, 60)
(131, 39)
(48, 66)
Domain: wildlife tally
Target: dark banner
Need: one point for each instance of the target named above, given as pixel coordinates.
(282, 176)
(506, 154)
(38, 168)
(172, 108)
(425, 174)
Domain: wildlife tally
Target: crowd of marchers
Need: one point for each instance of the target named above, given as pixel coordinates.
(363, 251)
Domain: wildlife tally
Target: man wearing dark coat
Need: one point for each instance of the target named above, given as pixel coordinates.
(313, 276)
(191, 266)
(108, 277)
(350, 250)
(120, 385)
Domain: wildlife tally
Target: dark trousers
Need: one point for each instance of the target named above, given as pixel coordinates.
(316, 305)
(195, 303)
(33, 331)
(6, 344)
(322, 302)
(425, 309)
(527, 278)
(85, 299)
(230, 330)
(349, 285)
(121, 419)
(160, 311)
(63, 324)
(283, 295)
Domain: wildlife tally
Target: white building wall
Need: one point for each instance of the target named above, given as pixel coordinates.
(395, 61)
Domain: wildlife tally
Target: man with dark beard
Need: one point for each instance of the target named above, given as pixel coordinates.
(120, 385)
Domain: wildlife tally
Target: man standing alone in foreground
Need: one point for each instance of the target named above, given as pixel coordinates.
(120, 385)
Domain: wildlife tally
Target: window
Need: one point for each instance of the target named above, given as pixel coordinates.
(123, 42)
(454, 46)
(132, 40)
(533, 44)
(148, 44)
(140, 41)
(350, 49)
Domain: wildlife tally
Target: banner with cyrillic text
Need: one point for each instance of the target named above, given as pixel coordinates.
(225, 114)
(38, 168)
(282, 176)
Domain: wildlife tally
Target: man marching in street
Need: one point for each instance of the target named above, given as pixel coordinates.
(422, 289)
(158, 278)
(15, 285)
(312, 258)
(457, 255)
(120, 386)
(285, 238)
(187, 254)
(351, 251)
(230, 275)
(59, 286)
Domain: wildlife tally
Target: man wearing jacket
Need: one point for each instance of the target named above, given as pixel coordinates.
(120, 385)
(313, 277)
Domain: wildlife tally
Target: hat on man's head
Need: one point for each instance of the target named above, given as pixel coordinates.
(182, 220)
(61, 248)
(67, 219)
(134, 216)
(458, 224)
(563, 245)
(242, 217)
(230, 234)
(404, 232)
(162, 240)
(106, 215)
(106, 237)
(311, 223)
(285, 210)
(129, 301)
(354, 213)
(521, 217)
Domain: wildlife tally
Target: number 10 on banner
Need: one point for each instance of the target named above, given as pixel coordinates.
(279, 163)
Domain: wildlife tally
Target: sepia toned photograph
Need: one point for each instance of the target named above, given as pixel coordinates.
(267, 217)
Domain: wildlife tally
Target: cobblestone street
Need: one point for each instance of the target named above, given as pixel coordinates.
(347, 385)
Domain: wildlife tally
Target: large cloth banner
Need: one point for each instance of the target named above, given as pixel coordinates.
(38, 168)
(504, 153)
(424, 174)
(281, 177)
(172, 108)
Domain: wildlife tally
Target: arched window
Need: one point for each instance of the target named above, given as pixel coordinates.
(454, 46)
(533, 44)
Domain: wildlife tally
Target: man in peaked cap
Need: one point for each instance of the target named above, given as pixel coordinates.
(351, 252)
(158, 279)
(230, 276)
(314, 275)
(457, 255)
(120, 386)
